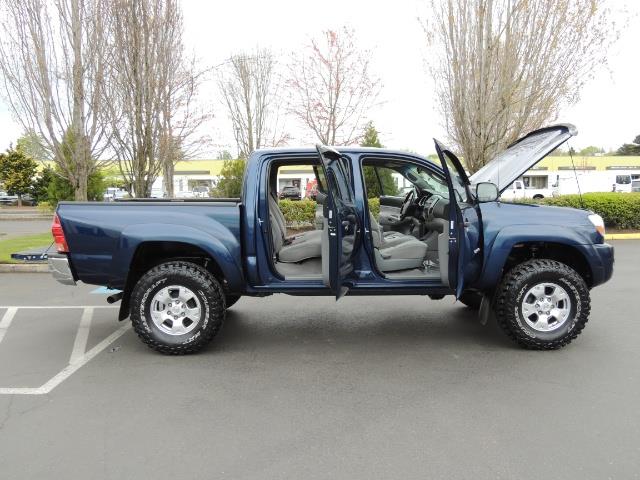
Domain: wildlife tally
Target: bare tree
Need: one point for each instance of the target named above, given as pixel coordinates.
(250, 93)
(52, 61)
(505, 67)
(332, 87)
(151, 93)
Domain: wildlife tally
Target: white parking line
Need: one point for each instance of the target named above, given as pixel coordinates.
(7, 318)
(58, 306)
(80, 343)
(78, 358)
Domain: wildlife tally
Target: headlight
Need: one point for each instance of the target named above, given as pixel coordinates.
(598, 223)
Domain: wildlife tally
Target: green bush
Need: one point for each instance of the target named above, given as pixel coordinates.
(45, 207)
(374, 206)
(618, 210)
(59, 188)
(298, 213)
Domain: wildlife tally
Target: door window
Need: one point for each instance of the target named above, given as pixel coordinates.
(381, 181)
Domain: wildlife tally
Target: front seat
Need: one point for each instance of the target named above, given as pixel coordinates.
(292, 249)
(402, 252)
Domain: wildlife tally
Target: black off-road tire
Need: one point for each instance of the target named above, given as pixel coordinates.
(471, 299)
(202, 283)
(231, 300)
(514, 286)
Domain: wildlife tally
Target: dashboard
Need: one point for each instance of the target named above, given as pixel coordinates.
(434, 206)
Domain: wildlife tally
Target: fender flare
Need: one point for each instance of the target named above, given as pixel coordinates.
(498, 250)
(215, 246)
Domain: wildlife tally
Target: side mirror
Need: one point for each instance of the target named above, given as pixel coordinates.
(487, 192)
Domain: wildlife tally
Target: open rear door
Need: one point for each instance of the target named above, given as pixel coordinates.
(341, 230)
(462, 216)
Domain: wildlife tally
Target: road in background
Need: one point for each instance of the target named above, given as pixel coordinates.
(304, 387)
(17, 228)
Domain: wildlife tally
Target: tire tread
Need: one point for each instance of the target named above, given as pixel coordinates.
(197, 274)
(504, 303)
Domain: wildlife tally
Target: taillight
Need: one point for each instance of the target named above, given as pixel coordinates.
(58, 235)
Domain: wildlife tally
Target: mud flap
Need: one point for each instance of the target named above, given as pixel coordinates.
(486, 312)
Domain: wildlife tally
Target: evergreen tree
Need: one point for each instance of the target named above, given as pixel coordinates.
(17, 172)
(229, 184)
(371, 139)
(629, 149)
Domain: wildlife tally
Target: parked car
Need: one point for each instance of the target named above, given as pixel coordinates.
(518, 191)
(200, 192)
(12, 200)
(114, 193)
(312, 191)
(290, 193)
(181, 265)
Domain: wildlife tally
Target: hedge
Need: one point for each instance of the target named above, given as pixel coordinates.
(302, 213)
(298, 213)
(618, 210)
(374, 206)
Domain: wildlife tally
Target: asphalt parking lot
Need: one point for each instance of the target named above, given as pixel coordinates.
(304, 387)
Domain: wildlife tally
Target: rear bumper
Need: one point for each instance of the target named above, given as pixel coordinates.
(60, 269)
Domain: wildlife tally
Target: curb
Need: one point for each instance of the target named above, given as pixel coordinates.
(622, 236)
(24, 268)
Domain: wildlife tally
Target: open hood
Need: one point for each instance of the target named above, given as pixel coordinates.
(522, 155)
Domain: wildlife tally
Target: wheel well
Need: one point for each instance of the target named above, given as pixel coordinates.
(150, 254)
(538, 196)
(566, 254)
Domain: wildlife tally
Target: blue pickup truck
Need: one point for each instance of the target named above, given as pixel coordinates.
(179, 264)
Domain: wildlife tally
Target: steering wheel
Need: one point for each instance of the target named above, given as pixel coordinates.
(408, 200)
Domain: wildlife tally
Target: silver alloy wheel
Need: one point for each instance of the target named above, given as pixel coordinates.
(546, 307)
(175, 310)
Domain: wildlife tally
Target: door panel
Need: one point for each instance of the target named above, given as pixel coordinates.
(464, 223)
(342, 230)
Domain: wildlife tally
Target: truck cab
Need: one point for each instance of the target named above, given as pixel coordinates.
(181, 264)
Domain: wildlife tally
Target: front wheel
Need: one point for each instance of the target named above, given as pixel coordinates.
(473, 300)
(230, 300)
(177, 307)
(542, 304)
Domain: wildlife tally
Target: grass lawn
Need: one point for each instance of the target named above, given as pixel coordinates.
(26, 242)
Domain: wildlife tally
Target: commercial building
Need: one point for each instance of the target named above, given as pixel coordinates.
(597, 173)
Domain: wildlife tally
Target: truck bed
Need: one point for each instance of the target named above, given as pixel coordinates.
(103, 237)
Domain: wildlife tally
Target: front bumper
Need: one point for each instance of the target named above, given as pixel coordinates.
(60, 269)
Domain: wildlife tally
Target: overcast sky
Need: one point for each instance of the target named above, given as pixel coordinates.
(607, 115)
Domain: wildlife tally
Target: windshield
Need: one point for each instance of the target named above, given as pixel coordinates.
(427, 180)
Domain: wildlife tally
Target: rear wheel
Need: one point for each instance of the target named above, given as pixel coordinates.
(177, 307)
(542, 304)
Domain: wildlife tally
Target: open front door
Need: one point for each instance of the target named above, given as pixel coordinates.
(463, 220)
(341, 231)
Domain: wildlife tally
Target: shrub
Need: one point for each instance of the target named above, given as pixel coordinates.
(374, 206)
(60, 188)
(298, 213)
(45, 207)
(302, 213)
(618, 210)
